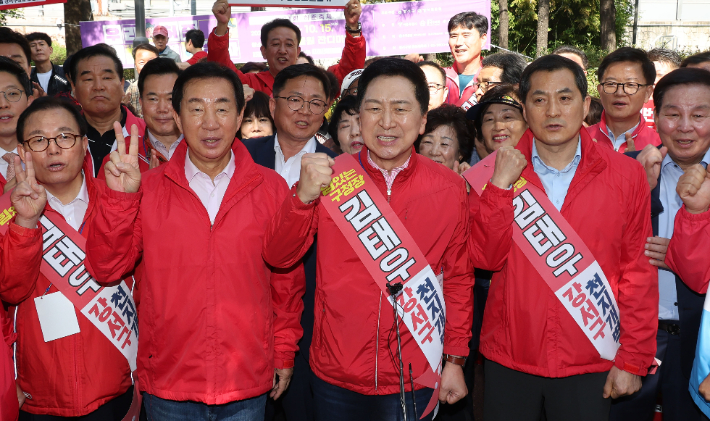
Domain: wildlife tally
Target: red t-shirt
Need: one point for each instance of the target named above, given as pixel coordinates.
(197, 57)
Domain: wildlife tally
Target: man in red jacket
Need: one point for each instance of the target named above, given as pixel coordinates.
(15, 83)
(467, 35)
(540, 354)
(626, 79)
(280, 41)
(356, 375)
(218, 326)
(54, 136)
(21, 243)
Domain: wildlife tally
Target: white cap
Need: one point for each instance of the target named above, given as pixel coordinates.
(349, 79)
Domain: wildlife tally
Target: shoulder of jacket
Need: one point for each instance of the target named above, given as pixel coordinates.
(622, 166)
(438, 174)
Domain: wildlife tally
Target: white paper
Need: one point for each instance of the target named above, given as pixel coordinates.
(57, 316)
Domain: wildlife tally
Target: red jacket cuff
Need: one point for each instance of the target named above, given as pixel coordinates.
(693, 217)
(30, 233)
(631, 364)
(452, 349)
(118, 197)
(284, 360)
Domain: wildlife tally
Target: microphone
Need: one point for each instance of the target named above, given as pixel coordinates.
(394, 290)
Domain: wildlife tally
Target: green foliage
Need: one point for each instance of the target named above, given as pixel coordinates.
(9, 13)
(59, 53)
(129, 74)
(574, 22)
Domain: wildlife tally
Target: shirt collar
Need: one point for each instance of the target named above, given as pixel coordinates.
(631, 130)
(82, 196)
(155, 141)
(704, 162)
(395, 171)
(310, 146)
(191, 170)
(537, 161)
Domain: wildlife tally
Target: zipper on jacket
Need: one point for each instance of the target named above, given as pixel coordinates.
(389, 195)
(377, 342)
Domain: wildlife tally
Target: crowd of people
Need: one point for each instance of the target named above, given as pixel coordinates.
(385, 239)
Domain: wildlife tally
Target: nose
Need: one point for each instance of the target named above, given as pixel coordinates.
(498, 125)
(387, 120)
(685, 125)
(4, 103)
(209, 119)
(53, 148)
(553, 108)
(164, 106)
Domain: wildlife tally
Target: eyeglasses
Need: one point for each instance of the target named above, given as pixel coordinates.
(12, 94)
(296, 103)
(435, 87)
(629, 88)
(487, 85)
(63, 141)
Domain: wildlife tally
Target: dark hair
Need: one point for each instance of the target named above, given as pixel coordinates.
(8, 36)
(297, 70)
(495, 92)
(94, 51)
(390, 66)
(469, 20)
(696, 59)
(66, 66)
(511, 64)
(47, 103)
(568, 49)
(435, 66)
(307, 57)
(39, 36)
(454, 117)
(665, 56)
(207, 70)
(258, 106)
(8, 65)
(146, 47)
(196, 36)
(682, 76)
(278, 23)
(250, 66)
(346, 105)
(594, 115)
(334, 86)
(551, 63)
(157, 66)
(631, 55)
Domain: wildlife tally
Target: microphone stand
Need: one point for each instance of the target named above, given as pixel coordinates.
(394, 289)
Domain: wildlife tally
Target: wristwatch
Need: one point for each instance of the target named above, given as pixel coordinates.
(354, 31)
(455, 359)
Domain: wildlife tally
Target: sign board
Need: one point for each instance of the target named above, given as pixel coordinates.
(390, 29)
(320, 4)
(16, 4)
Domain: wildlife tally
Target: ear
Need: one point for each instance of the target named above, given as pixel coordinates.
(178, 122)
(422, 127)
(263, 51)
(21, 152)
(587, 101)
(484, 38)
(272, 107)
(600, 90)
(240, 118)
(85, 143)
(446, 92)
(649, 92)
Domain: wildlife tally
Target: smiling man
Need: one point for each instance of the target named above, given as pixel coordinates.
(218, 317)
(355, 377)
(14, 84)
(280, 41)
(97, 82)
(467, 35)
(626, 79)
(584, 196)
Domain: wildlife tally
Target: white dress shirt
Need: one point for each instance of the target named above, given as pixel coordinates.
(210, 193)
(74, 211)
(291, 170)
(158, 145)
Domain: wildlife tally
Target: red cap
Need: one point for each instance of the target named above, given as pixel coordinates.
(160, 30)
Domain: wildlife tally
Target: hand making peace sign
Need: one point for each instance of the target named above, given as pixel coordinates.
(122, 171)
(28, 198)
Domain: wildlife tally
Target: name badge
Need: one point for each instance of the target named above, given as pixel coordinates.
(57, 316)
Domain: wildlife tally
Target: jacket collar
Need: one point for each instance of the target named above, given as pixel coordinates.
(603, 127)
(377, 176)
(591, 164)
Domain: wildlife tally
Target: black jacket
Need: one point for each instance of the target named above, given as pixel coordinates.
(58, 82)
(263, 153)
(690, 303)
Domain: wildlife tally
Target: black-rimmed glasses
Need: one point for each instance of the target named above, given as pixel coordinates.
(296, 103)
(63, 141)
(629, 88)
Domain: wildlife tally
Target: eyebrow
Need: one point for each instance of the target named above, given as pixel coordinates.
(62, 129)
(201, 100)
(86, 72)
(159, 93)
(318, 96)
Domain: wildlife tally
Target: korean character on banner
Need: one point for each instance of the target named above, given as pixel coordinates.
(436, 308)
(440, 322)
(7, 215)
(337, 193)
(116, 324)
(604, 301)
(348, 175)
(348, 188)
(118, 299)
(401, 298)
(134, 326)
(334, 182)
(358, 182)
(101, 314)
(613, 320)
(128, 311)
(594, 286)
(424, 289)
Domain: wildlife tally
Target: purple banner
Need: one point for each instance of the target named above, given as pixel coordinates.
(390, 29)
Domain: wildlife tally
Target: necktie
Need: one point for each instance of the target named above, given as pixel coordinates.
(10, 159)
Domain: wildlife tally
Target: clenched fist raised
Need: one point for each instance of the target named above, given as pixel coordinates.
(316, 173)
(510, 163)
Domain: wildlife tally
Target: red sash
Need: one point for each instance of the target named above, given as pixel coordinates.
(561, 258)
(390, 254)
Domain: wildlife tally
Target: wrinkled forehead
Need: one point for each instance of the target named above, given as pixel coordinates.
(687, 96)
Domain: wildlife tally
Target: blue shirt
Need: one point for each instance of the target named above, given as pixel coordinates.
(556, 182)
(670, 173)
(464, 80)
(621, 139)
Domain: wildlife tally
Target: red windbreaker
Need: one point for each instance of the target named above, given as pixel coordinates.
(689, 249)
(214, 320)
(20, 254)
(452, 82)
(525, 327)
(74, 375)
(352, 339)
(353, 58)
(643, 135)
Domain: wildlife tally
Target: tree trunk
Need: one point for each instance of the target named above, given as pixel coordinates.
(607, 17)
(543, 24)
(503, 23)
(75, 11)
